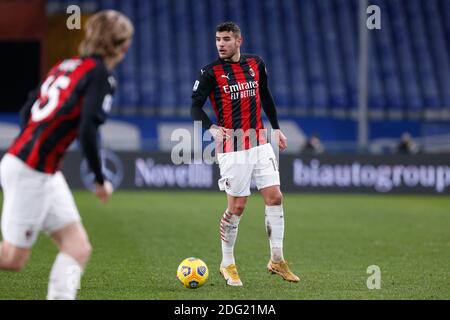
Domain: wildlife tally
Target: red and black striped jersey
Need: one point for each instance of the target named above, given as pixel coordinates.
(236, 91)
(73, 101)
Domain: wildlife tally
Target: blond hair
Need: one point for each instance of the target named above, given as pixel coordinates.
(105, 33)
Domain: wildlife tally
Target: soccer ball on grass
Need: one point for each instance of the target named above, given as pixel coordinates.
(192, 273)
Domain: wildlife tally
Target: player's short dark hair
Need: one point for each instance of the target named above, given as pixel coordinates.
(229, 26)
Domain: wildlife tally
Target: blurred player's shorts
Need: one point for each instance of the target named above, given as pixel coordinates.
(32, 202)
(238, 168)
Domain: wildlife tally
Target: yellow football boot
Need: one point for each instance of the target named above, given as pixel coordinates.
(231, 275)
(282, 268)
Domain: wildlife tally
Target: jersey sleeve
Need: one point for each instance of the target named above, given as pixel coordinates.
(97, 100)
(200, 92)
(25, 111)
(268, 103)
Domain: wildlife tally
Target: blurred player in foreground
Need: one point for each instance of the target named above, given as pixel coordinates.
(237, 86)
(73, 101)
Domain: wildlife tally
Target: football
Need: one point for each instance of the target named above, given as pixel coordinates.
(192, 273)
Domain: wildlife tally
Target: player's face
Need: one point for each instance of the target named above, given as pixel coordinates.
(227, 44)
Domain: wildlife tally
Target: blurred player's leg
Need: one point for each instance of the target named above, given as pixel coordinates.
(13, 258)
(228, 233)
(24, 207)
(63, 223)
(74, 253)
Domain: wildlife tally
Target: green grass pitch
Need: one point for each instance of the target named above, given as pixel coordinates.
(139, 238)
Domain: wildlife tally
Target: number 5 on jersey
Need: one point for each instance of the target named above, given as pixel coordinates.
(50, 91)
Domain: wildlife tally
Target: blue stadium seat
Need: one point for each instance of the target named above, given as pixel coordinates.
(348, 46)
(376, 96)
(185, 71)
(389, 64)
(310, 48)
(89, 5)
(276, 62)
(421, 50)
(401, 38)
(440, 54)
(147, 56)
(445, 10)
(444, 6)
(108, 4)
(203, 44)
(254, 37)
(335, 74)
(218, 13)
(128, 89)
(314, 57)
(298, 84)
(164, 41)
(236, 13)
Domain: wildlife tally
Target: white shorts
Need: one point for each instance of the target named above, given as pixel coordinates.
(32, 202)
(238, 168)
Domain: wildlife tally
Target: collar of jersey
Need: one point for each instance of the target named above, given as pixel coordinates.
(231, 62)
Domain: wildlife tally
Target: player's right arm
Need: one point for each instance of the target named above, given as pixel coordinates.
(268, 105)
(92, 116)
(25, 111)
(202, 88)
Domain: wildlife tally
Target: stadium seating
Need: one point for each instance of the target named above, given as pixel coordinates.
(121, 136)
(8, 131)
(310, 48)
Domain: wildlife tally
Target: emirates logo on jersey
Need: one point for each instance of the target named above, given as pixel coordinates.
(251, 72)
(241, 89)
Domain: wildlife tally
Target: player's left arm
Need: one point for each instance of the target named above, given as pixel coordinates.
(96, 99)
(268, 105)
(92, 116)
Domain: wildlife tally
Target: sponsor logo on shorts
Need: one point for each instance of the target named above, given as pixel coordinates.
(28, 234)
(227, 184)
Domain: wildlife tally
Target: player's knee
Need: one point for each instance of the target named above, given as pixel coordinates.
(237, 208)
(80, 251)
(84, 251)
(274, 199)
(12, 259)
(88, 249)
(15, 264)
